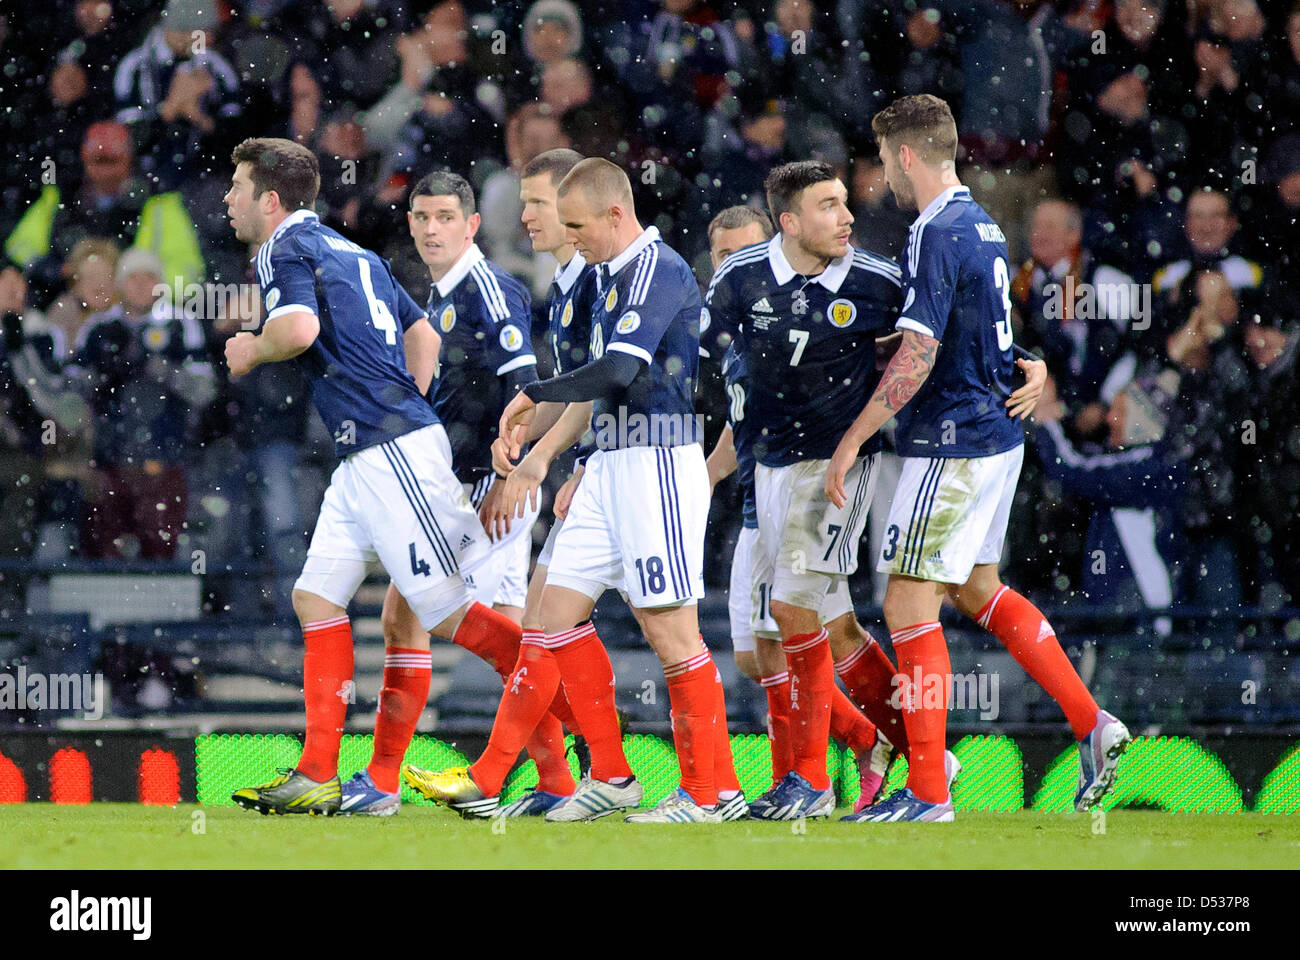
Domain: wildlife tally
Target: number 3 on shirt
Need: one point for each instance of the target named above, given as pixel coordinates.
(1002, 281)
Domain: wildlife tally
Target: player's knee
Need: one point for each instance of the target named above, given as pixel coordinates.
(897, 610)
(747, 663)
(792, 619)
(310, 608)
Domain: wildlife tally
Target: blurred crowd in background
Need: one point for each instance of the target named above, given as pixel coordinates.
(1142, 157)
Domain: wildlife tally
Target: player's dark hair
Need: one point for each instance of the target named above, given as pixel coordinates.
(444, 183)
(733, 218)
(557, 163)
(288, 168)
(786, 182)
(923, 122)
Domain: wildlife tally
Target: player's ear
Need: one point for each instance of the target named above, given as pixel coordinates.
(474, 220)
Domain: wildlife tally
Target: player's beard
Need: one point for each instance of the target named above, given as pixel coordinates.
(904, 193)
(827, 250)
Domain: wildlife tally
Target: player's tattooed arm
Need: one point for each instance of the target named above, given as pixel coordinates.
(903, 377)
(906, 372)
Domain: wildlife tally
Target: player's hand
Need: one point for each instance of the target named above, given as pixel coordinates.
(501, 461)
(1050, 409)
(241, 353)
(564, 496)
(491, 513)
(1021, 403)
(515, 419)
(846, 454)
(523, 485)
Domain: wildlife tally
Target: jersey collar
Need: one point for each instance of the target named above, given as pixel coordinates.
(459, 270)
(298, 216)
(831, 278)
(648, 236)
(567, 275)
(959, 192)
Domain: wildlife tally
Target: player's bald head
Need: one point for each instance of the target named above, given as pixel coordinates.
(600, 183)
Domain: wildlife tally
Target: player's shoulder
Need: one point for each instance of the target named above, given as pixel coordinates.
(496, 289)
(655, 272)
(952, 231)
(743, 263)
(871, 268)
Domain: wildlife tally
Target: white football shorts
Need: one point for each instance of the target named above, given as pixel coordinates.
(805, 540)
(636, 524)
(949, 514)
(502, 576)
(750, 589)
(399, 503)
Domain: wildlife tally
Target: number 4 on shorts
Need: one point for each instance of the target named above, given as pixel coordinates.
(418, 565)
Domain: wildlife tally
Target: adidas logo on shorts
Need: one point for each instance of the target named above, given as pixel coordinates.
(465, 540)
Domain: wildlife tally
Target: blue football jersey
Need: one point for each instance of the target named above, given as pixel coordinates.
(809, 343)
(573, 295)
(742, 433)
(484, 318)
(958, 290)
(648, 305)
(357, 366)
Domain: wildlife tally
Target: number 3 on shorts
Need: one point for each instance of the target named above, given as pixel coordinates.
(891, 544)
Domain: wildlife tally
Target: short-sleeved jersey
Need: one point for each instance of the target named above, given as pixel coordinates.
(573, 295)
(648, 306)
(957, 289)
(484, 318)
(357, 366)
(809, 343)
(742, 432)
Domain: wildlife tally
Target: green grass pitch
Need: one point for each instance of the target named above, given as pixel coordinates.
(105, 835)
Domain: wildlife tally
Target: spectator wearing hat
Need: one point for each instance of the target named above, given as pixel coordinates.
(552, 33)
(112, 203)
(179, 96)
(147, 378)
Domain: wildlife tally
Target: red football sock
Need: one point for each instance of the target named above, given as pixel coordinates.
(777, 688)
(546, 747)
(401, 701)
(812, 680)
(724, 766)
(491, 636)
(1028, 637)
(849, 725)
(528, 693)
(869, 675)
(691, 690)
(588, 684)
(327, 688)
(922, 648)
